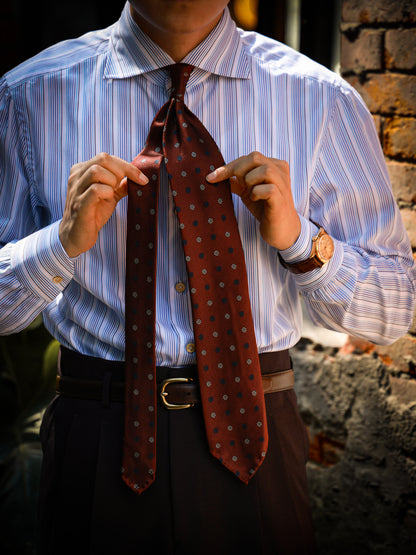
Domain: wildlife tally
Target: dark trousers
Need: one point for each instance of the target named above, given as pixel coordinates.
(194, 507)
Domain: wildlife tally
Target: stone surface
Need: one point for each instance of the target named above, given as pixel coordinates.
(388, 93)
(400, 49)
(409, 220)
(401, 354)
(375, 11)
(364, 53)
(403, 180)
(400, 137)
(404, 390)
(363, 490)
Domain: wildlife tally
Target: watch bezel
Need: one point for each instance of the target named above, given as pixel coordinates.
(324, 247)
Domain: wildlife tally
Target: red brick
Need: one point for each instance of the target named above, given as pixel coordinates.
(375, 11)
(388, 94)
(403, 180)
(399, 137)
(324, 450)
(400, 49)
(409, 220)
(364, 53)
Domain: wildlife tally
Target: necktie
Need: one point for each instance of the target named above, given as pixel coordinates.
(228, 365)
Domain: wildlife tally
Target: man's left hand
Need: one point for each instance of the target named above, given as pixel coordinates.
(264, 186)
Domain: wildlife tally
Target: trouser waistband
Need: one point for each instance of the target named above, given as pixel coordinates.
(91, 378)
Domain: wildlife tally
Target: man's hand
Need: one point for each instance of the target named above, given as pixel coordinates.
(94, 189)
(264, 186)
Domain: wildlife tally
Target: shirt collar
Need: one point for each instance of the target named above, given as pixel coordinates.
(132, 52)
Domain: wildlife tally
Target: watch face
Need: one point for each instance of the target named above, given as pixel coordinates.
(325, 247)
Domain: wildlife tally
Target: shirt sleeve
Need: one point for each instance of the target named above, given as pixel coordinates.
(34, 268)
(368, 287)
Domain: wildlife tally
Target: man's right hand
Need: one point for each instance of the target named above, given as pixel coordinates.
(94, 189)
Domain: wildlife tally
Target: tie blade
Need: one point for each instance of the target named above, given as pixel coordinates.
(133, 478)
(139, 452)
(227, 359)
(241, 463)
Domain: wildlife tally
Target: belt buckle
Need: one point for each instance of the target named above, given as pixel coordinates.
(163, 393)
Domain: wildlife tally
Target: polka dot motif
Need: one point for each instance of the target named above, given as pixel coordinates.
(234, 414)
(214, 256)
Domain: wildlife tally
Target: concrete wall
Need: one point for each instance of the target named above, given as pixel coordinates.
(359, 401)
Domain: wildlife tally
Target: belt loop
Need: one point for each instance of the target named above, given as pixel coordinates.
(105, 400)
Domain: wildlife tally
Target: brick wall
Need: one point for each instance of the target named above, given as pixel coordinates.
(378, 57)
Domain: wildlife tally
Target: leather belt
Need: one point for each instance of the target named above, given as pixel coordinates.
(174, 393)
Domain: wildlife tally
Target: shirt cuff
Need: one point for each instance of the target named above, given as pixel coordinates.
(41, 264)
(300, 251)
(301, 248)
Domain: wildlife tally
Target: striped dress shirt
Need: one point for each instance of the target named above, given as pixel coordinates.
(99, 93)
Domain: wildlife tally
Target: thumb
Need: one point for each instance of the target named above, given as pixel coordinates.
(121, 190)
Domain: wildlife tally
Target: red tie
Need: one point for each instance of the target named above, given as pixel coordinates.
(228, 364)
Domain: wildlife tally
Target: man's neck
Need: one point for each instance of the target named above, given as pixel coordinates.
(176, 44)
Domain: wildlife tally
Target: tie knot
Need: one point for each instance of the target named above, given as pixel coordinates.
(179, 74)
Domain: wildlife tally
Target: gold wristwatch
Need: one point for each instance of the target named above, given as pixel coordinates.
(322, 251)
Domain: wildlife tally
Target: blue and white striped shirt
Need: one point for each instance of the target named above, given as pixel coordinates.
(100, 93)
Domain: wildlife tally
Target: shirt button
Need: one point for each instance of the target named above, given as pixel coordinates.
(180, 287)
(190, 347)
(57, 279)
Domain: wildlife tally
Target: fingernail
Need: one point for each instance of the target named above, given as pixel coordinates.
(143, 179)
(211, 175)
